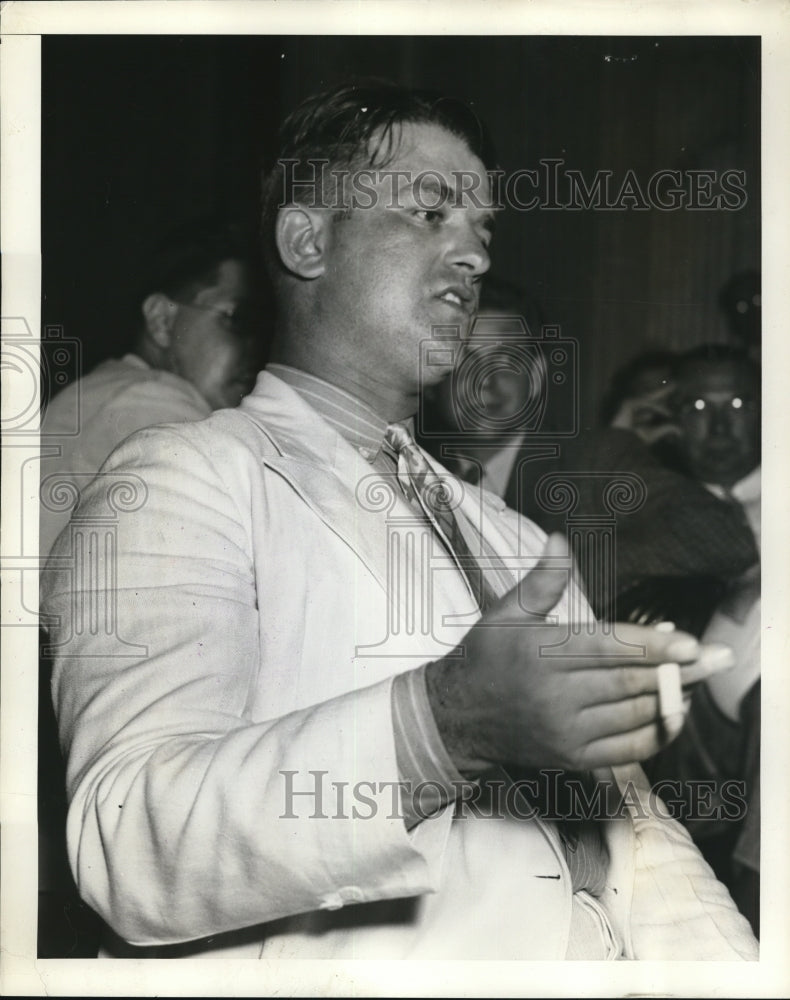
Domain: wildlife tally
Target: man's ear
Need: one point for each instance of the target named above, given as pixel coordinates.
(159, 313)
(302, 239)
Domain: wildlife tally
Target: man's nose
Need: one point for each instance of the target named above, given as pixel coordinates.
(468, 251)
(720, 420)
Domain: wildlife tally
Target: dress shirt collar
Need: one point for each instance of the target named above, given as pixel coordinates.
(745, 490)
(354, 420)
(498, 464)
(748, 488)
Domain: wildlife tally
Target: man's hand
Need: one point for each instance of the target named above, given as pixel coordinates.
(583, 705)
(648, 416)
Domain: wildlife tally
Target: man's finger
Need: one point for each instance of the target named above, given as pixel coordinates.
(601, 684)
(631, 643)
(543, 586)
(714, 658)
(627, 748)
(653, 434)
(663, 392)
(612, 718)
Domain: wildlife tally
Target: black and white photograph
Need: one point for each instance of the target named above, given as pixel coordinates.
(387, 403)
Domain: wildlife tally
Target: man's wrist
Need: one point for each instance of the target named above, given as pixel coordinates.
(429, 778)
(450, 701)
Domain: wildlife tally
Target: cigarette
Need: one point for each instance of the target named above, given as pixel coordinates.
(670, 697)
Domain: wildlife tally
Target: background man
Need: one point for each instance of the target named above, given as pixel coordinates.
(196, 348)
(717, 405)
(675, 553)
(272, 575)
(476, 420)
(678, 553)
(717, 409)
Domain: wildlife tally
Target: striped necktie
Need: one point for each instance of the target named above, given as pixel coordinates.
(430, 494)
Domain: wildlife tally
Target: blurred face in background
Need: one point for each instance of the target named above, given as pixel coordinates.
(495, 383)
(718, 411)
(216, 338)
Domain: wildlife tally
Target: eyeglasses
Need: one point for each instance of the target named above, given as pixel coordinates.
(237, 317)
(690, 407)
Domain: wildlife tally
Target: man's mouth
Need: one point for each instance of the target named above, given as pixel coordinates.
(461, 298)
(722, 448)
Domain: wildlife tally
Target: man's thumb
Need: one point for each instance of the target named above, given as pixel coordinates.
(544, 585)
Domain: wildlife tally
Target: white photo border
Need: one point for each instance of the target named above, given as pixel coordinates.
(23, 24)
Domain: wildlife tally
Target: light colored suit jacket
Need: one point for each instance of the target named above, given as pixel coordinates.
(89, 418)
(266, 571)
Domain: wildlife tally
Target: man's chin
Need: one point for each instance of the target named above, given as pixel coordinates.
(722, 473)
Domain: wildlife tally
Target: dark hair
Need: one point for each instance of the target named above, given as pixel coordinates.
(716, 353)
(183, 261)
(337, 127)
(187, 258)
(624, 382)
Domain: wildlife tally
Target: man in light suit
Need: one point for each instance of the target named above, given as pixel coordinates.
(311, 749)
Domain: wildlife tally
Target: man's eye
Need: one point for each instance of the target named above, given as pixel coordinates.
(236, 317)
(429, 214)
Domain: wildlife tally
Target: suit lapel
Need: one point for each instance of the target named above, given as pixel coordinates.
(354, 500)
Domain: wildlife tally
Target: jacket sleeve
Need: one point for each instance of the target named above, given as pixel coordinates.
(164, 399)
(679, 910)
(180, 825)
(681, 529)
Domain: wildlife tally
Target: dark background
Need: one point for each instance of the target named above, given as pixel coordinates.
(140, 133)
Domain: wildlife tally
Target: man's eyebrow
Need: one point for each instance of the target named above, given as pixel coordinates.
(435, 185)
(447, 195)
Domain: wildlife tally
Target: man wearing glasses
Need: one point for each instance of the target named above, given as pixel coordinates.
(195, 349)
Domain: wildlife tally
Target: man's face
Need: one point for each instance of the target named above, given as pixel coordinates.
(211, 346)
(400, 268)
(719, 417)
